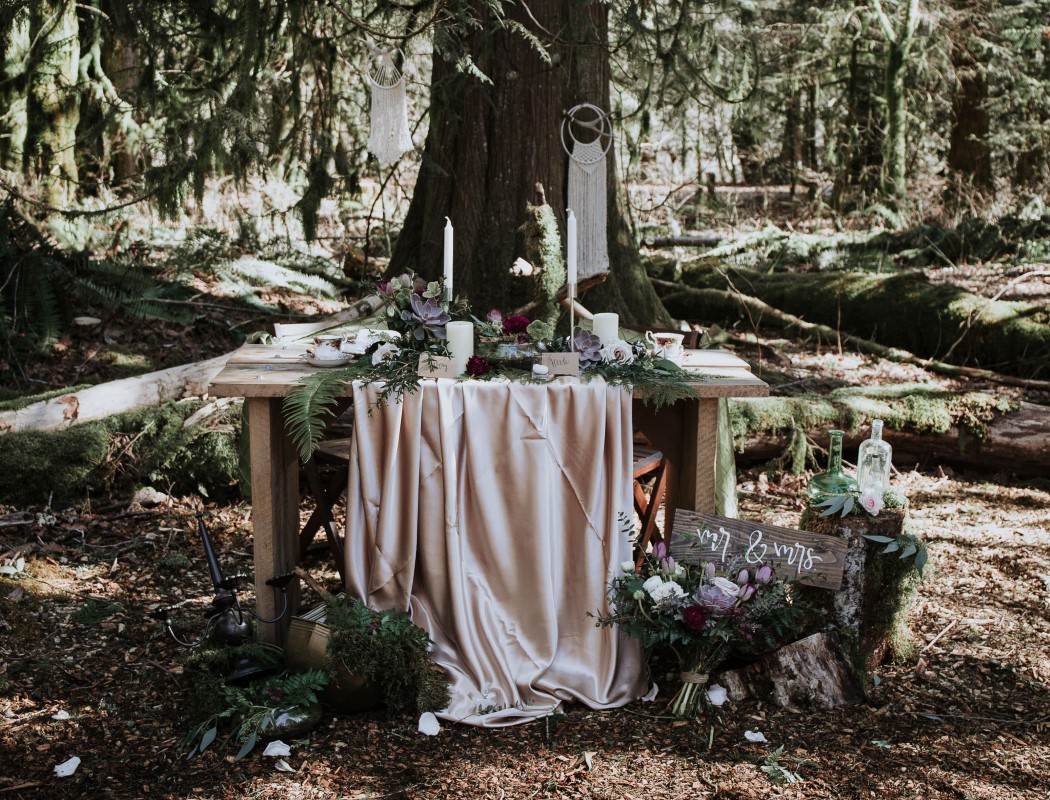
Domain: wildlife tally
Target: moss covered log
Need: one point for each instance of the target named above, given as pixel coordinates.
(901, 310)
(970, 429)
(112, 456)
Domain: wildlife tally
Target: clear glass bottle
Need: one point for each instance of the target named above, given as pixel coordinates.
(834, 481)
(873, 461)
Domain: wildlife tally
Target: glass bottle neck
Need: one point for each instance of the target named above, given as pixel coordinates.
(876, 429)
(835, 452)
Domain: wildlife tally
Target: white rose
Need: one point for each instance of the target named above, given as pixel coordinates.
(727, 586)
(383, 352)
(651, 584)
(666, 592)
(618, 352)
(628, 567)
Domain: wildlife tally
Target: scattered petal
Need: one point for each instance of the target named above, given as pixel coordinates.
(63, 714)
(67, 768)
(283, 766)
(755, 736)
(429, 725)
(716, 694)
(277, 748)
(649, 696)
(588, 756)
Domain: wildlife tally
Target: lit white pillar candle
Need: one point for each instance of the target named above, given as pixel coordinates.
(606, 327)
(460, 343)
(570, 249)
(448, 257)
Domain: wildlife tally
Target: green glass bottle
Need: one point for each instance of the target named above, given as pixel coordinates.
(834, 481)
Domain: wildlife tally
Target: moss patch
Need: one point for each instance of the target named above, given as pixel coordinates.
(115, 454)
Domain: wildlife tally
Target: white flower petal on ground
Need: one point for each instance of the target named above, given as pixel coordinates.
(277, 748)
(67, 768)
(283, 766)
(429, 725)
(61, 715)
(755, 736)
(649, 696)
(716, 694)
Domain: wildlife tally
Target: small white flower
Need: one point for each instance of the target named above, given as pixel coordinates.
(717, 695)
(639, 595)
(651, 584)
(871, 502)
(667, 592)
(628, 567)
(383, 352)
(727, 586)
(618, 352)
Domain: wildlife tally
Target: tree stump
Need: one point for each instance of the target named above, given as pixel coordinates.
(870, 610)
(808, 674)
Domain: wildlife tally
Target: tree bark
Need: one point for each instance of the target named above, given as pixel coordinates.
(53, 108)
(896, 145)
(13, 51)
(969, 155)
(489, 145)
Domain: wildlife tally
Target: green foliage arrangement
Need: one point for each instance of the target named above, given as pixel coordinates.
(419, 316)
(386, 649)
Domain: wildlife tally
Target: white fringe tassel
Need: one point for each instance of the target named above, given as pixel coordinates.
(389, 136)
(588, 199)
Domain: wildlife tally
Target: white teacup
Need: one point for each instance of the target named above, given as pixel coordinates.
(328, 347)
(668, 345)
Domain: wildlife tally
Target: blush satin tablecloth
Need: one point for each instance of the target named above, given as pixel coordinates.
(495, 514)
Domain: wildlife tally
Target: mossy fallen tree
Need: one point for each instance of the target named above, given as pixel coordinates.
(111, 456)
(924, 424)
(902, 310)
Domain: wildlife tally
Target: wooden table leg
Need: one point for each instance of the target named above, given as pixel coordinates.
(702, 433)
(275, 511)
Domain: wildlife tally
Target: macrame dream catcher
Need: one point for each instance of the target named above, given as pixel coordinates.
(589, 131)
(389, 136)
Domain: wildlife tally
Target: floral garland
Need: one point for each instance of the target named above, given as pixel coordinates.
(417, 318)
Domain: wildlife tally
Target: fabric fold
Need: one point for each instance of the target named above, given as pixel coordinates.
(494, 513)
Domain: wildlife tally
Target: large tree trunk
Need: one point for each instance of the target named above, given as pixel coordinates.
(53, 104)
(14, 44)
(969, 156)
(490, 145)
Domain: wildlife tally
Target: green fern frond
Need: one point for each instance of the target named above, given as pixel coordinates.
(308, 407)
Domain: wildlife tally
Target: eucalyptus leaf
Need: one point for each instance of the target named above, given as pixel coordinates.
(920, 559)
(848, 506)
(247, 746)
(881, 539)
(208, 738)
(909, 550)
(892, 547)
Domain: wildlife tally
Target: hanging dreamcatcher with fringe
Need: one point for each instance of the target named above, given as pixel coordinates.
(589, 130)
(389, 136)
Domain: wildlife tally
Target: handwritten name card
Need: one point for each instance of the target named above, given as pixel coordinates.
(809, 558)
(561, 363)
(431, 366)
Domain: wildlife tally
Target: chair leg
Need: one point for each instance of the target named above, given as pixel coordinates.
(647, 509)
(325, 497)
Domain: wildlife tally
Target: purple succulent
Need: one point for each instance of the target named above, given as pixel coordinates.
(714, 599)
(427, 316)
(588, 346)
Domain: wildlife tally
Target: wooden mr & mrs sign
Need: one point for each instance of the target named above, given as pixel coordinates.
(806, 557)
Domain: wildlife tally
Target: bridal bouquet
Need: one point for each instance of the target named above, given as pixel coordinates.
(701, 612)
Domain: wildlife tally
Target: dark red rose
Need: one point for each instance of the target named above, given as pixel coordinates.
(695, 617)
(477, 366)
(515, 324)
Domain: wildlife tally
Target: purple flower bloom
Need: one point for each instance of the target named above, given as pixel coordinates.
(764, 574)
(427, 316)
(747, 592)
(709, 570)
(694, 617)
(660, 551)
(494, 315)
(588, 346)
(742, 577)
(385, 288)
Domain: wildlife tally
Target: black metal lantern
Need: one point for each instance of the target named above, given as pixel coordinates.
(227, 623)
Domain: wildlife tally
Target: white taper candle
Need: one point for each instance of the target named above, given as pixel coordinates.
(448, 258)
(570, 249)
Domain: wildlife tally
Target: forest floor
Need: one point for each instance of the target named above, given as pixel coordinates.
(969, 717)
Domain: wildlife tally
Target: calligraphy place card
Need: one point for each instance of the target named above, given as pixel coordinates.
(561, 363)
(431, 366)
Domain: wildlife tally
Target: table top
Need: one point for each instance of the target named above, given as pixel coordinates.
(272, 370)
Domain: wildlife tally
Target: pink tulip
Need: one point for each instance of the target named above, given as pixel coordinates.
(764, 574)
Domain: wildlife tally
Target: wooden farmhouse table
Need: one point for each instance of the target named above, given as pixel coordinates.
(264, 375)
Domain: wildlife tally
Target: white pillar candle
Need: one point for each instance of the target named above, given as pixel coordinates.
(448, 257)
(460, 343)
(606, 327)
(570, 249)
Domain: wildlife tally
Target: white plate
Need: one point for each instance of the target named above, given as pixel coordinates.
(314, 361)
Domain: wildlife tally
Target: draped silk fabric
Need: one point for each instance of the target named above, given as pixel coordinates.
(494, 513)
